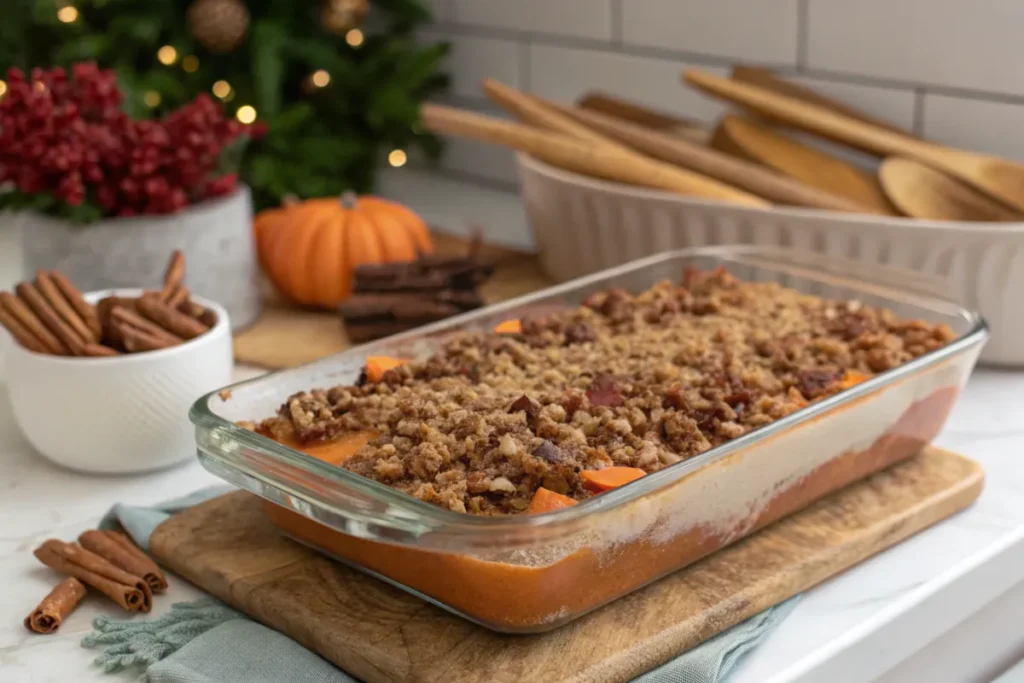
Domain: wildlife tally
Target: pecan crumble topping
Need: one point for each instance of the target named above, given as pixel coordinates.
(641, 381)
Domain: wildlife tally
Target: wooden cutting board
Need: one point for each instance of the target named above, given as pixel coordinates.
(379, 633)
(285, 336)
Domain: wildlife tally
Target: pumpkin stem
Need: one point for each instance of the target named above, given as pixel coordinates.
(349, 199)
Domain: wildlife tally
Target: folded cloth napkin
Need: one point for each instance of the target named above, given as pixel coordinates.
(207, 642)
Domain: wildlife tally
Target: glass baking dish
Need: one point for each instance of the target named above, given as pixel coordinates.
(532, 573)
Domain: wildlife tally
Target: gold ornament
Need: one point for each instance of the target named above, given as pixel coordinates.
(341, 16)
(219, 25)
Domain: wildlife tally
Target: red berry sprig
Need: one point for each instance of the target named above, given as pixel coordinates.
(70, 138)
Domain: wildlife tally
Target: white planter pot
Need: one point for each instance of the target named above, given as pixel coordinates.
(11, 267)
(216, 237)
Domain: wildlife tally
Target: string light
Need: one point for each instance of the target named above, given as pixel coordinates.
(321, 78)
(68, 14)
(190, 63)
(221, 89)
(246, 114)
(167, 55)
(354, 37)
(151, 98)
(397, 158)
(3, 88)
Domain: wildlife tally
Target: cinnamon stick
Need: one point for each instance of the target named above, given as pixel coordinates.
(56, 606)
(127, 590)
(84, 309)
(170, 319)
(42, 308)
(126, 555)
(48, 288)
(174, 274)
(575, 155)
(129, 318)
(137, 341)
(178, 296)
(21, 334)
(99, 351)
(32, 323)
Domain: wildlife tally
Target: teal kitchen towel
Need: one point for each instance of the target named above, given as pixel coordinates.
(207, 642)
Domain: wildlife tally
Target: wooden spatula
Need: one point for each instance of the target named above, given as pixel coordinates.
(770, 81)
(644, 116)
(741, 173)
(1002, 179)
(920, 191)
(582, 157)
(534, 111)
(755, 142)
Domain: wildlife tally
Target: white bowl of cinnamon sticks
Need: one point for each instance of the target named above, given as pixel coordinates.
(102, 382)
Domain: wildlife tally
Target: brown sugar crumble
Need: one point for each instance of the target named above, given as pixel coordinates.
(643, 381)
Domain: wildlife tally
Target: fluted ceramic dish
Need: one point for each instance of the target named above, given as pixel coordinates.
(118, 414)
(583, 225)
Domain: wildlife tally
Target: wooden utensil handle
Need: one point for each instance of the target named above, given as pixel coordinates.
(575, 155)
(530, 110)
(815, 119)
(635, 113)
(767, 79)
(744, 174)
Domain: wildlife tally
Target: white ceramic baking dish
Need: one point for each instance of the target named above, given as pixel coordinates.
(583, 225)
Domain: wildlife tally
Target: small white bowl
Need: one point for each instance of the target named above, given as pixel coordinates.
(120, 414)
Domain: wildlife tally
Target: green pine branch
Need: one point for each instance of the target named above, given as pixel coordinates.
(320, 141)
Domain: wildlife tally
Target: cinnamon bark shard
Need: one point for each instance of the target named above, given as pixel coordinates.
(122, 553)
(30, 321)
(77, 300)
(175, 273)
(49, 289)
(127, 590)
(170, 319)
(56, 606)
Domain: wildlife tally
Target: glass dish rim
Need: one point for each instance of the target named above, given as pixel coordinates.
(459, 523)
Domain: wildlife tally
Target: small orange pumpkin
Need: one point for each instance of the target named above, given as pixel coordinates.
(310, 249)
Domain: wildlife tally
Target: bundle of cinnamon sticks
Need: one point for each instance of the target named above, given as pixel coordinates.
(50, 315)
(389, 298)
(106, 561)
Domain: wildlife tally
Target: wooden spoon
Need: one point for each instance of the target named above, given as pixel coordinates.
(534, 111)
(923, 192)
(1002, 179)
(754, 142)
(770, 81)
(576, 155)
(741, 173)
(643, 116)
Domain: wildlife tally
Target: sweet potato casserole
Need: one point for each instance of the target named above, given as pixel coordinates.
(547, 411)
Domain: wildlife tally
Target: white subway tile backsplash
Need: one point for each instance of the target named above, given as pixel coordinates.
(752, 30)
(977, 125)
(895, 105)
(577, 18)
(954, 43)
(876, 55)
(565, 73)
(477, 158)
(473, 59)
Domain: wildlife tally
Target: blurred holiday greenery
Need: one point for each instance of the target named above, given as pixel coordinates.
(338, 99)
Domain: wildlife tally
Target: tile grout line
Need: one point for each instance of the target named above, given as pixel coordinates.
(633, 50)
(919, 104)
(617, 29)
(802, 33)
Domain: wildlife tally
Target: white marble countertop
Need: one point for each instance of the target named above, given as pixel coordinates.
(855, 627)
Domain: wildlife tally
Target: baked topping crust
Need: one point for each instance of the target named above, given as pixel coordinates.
(640, 381)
